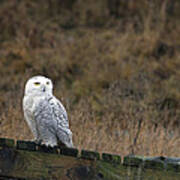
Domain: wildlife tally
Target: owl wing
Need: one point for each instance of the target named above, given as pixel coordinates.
(52, 121)
(63, 132)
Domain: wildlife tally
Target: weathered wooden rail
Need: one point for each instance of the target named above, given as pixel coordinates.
(27, 160)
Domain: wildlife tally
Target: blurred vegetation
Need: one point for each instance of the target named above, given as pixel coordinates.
(115, 65)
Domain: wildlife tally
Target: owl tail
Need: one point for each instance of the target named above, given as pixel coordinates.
(65, 138)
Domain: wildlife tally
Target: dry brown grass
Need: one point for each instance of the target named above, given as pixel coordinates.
(104, 135)
(116, 72)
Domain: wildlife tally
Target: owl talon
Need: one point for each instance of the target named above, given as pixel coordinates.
(37, 141)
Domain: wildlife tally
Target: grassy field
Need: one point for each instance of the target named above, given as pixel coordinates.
(115, 66)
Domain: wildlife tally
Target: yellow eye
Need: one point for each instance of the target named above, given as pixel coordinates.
(37, 83)
(47, 83)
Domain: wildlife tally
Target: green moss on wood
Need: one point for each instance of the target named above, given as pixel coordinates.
(92, 155)
(69, 151)
(173, 167)
(153, 164)
(25, 145)
(116, 172)
(133, 160)
(38, 165)
(6, 142)
(111, 158)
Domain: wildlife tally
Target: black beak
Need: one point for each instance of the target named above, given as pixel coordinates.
(44, 89)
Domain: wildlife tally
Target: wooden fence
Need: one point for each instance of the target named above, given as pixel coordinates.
(27, 160)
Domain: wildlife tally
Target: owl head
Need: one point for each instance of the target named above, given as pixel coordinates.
(39, 85)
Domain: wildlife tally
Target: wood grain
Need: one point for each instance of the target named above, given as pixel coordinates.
(35, 165)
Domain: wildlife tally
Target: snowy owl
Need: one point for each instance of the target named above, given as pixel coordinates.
(44, 113)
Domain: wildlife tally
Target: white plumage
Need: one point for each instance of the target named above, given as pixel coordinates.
(44, 113)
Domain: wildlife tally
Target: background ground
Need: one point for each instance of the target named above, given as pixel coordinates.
(115, 65)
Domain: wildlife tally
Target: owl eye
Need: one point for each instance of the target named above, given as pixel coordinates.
(47, 83)
(37, 83)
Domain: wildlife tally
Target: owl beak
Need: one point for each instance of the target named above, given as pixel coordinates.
(43, 89)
